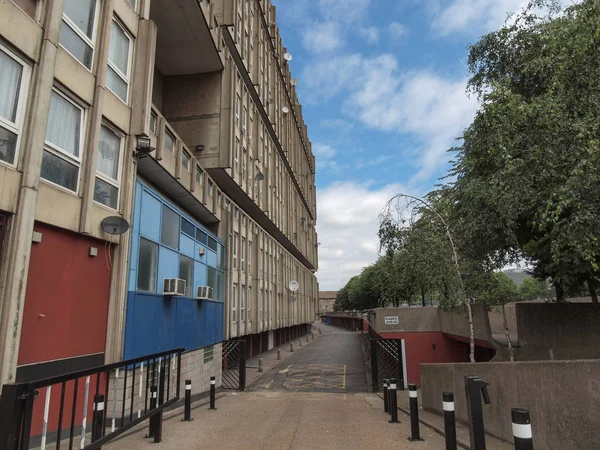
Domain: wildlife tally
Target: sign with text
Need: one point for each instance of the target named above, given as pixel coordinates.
(392, 320)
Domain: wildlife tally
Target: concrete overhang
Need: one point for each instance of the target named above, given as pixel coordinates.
(237, 194)
(184, 44)
(166, 184)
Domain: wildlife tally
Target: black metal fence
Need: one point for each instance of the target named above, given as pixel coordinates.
(88, 408)
(234, 365)
(387, 361)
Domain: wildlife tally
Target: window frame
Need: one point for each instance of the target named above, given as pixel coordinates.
(172, 136)
(199, 174)
(107, 179)
(91, 42)
(63, 154)
(125, 77)
(17, 127)
(243, 254)
(236, 155)
(189, 159)
(234, 252)
(243, 303)
(234, 303)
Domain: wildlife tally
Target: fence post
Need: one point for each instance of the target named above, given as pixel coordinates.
(98, 417)
(400, 364)
(449, 420)
(385, 396)
(158, 419)
(152, 419)
(521, 428)
(12, 409)
(415, 434)
(374, 374)
(187, 410)
(393, 401)
(242, 365)
(213, 386)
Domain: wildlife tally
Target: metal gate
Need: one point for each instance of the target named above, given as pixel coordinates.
(234, 365)
(388, 360)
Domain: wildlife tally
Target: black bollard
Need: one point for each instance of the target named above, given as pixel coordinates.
(449, 420)
(187, 411)
(476, 391)
(393, 401)
(521, 428)
(415, 434)
(98, 418)
(153, 399)
(212, 393)
(385, 396)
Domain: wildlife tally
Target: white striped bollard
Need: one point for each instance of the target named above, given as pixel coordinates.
(393, 405)
(385, 396)
(187, 411)
(98, 417)
(449, 420)
(415, 434)
(521, 428)
(212, 393)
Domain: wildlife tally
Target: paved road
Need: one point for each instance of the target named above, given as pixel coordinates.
(333, 363)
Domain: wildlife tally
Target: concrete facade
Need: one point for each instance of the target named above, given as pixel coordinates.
(561, 396)
(181, 68)
(326, 301)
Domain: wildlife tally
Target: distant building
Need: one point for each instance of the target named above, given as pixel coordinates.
(326, 300)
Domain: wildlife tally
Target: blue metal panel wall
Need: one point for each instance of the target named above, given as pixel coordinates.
(156, 323)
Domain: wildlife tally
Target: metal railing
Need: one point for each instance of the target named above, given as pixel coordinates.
(57, 411)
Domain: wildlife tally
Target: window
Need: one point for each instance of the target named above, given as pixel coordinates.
(227, 204)
(64, 141)
(185, 160)
(250, 59)
(246, 45)
(244, 162)
(29, 6)
(169, 235)
(238, 101)
(244, 121)
(260, 304)
(234, 303)
(235, 239)
(219, 198)
(201, 236)
(106, 189)
(250, 129)
(14, 77)
(239, 29)
(169, 141)
(250, 303)
(261, 152)
(147, 266)
(249, 256)
(119, 57)
(209, 353)
(236, 213)
(211, 279)
(212, 244)
(186, 272)
(243, 303)
(236, 155)
(199, 176)
(133, 3)
(211, 188)
(78, 29)
(153, 118)
(243, 253)
(188, 228)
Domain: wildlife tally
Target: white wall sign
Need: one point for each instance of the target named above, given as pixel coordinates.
(392, 320)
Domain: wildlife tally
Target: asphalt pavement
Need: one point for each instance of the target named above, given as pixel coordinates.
(331, 364)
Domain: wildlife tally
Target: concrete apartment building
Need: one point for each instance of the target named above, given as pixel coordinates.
(327, 300)
(224, 199)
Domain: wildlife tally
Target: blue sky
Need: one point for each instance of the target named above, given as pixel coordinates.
(382, 84)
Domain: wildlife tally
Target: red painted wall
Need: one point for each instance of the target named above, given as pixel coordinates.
(70, 288)
(419, 349)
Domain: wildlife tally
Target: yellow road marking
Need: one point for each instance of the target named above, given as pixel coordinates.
(344, 383)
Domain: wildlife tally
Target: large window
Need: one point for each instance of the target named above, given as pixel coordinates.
(14, 77)
(211, 280)
(106, 190)
(169, 235)
(199, 176)
(148, 266)
(234, 303)
(169, 141)
(186, 272)
(119, 61)
(234, 244)
(243, 254)
(78, 29)
(185, 160)
(236, 155)
(243, 303)
(64, 141)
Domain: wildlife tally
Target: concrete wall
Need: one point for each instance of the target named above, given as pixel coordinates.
(497, 321)
(562, 397)
(456, 323)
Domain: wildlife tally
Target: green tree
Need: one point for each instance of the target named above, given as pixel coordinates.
(532, 289)
(528, 170)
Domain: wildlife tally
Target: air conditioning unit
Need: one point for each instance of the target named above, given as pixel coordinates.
(204, 293)
(173, 286)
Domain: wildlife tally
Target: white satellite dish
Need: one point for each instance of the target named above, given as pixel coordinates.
(285, 109)
(294, 286)
(294, 81)
(287, 56)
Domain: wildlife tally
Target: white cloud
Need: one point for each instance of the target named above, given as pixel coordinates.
(347, 226)
(397, 30)
(327, 77)
(371, 34)
(323, 37)
(323, 151)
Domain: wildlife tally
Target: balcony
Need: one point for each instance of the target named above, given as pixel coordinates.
(186, 40)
